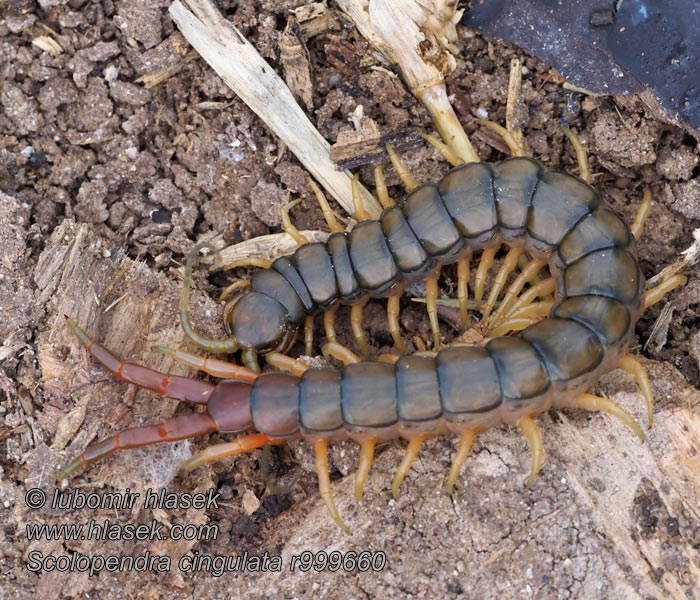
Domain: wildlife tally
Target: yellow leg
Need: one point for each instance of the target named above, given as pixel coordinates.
(528, 274)
(219, 451)
(387, 358)
(513, 325)
(366, 456)
(465, 444)
(392, 316)
(329, 322)
(642, 213)
(250, 360)
(401, 169)
(414, 445)
(324, 482)
(534, 439)
(431, 294)
(522, 318)
(596, 404)
(655, 294)
(384, 198)
(581, 155)
(507, 267)
(539, 290)
(511, 139)
(463, 291)
(482, 270)
(339, 352)
(443, 149)
(309, 335)
(236, 285)
(358, 201)
(251, 261)
(286, 363)
(356, 323)
(634, 367)
(287, 225)
(328, 214)
(213, 366)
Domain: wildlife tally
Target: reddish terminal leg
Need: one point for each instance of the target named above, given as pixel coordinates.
(172, 386)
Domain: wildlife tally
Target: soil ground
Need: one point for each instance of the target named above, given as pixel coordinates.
(106, 186)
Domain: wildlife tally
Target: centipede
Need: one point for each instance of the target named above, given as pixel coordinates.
(544, 344)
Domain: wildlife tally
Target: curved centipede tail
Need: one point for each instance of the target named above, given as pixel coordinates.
(223, 346)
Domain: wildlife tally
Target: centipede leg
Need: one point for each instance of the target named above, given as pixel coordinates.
(356, 323)
(286, 363)
(392, 316)
(212, 366)
(431, 295)
(655, 294)
(529, 273)
(522, 318)
(358, 201)
(509, 137)
(539, 290)
(634, 367)
(534, 439)
(598, 404)
(219, 451)
(236, 285)
(250, 360)
(581, 155)
(287, 224)
(443, 149)
(485, 264)
(412, 450)
(366, 456)
(309, 335)
(642, 213)
(380, 185)
(507, 267)
(339, 352)
(401, 169)
(329, 322)
(324, 482)
(463, 291)
(465, 443)
(328, 214)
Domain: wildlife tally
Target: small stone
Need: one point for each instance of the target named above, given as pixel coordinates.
(601, 18)
(250, 502)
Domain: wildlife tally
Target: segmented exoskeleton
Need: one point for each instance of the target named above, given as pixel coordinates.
(558, 219)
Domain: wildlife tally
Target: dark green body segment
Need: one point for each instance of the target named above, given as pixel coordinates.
(418, 389)
(607, 317)
(369, 395)
(313, 263)
(599, 230)
(274, 404)
(348, 288)
(409, 254)
(286, 267)
(319, 400)
(515, 181)
(372, 262)
(610, 272)
(521, 370)
(273, 284)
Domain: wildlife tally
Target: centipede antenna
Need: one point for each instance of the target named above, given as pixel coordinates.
(236, 285)
(248, 261)
(465, 443)
(507, 267)
(642, 213)
(212, 366)
(584, 171)
(366, 456)
(339, 352)
(534, 439)
(324, 482)
(443, 149)
(485, 264)
(379, 183)
(634, 367)
(431, 294)
(392, 316)
(412, 450)
(356, 323)
(401, 169)
(287, 224)
(224, 346)
(598, 404)
(309, 335)
(328, 214)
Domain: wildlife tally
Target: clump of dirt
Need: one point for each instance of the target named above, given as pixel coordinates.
(107, 185)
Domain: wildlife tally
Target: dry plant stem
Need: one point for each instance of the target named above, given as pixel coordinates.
(240, 65)
(399, 29)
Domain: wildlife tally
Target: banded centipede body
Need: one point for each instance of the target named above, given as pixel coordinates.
(557, 219)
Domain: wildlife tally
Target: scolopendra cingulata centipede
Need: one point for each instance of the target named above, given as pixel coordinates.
(558, 219)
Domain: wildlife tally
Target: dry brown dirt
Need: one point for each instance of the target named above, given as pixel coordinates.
(106, 185)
